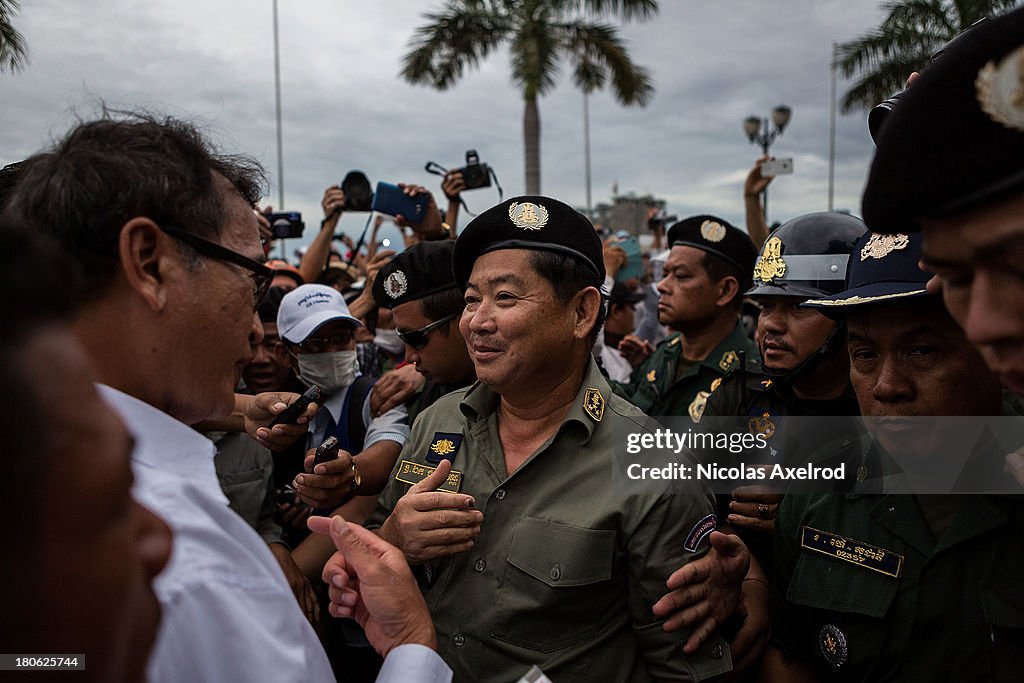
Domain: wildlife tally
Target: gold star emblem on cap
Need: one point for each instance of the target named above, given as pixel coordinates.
(880, 246)
(443, 447)
(528, 216)
(396, 284)
(593, 404)
(712, 231)
(1000, 90)
(770, 264)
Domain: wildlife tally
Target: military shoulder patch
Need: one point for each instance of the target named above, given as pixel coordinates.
(413, 473)
(443, 446)
(699, 532)
(593, 404)
(853, 551)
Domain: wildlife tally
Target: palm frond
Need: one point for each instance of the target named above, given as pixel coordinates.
(534, 52)
(454, 39)
(599, 55)
(13, 50)
(627, 10)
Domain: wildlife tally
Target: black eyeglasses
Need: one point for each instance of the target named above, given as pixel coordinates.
(417, 339)
(261, 274)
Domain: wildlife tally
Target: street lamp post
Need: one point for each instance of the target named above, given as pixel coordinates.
(759, 132)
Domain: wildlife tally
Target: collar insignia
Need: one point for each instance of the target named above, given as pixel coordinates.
(770, 264)
(528, 216)
(593, 404)
(715, 383)
(396, 284)
(651, 376)
(443, 446)
(880, 246)
(1000, 90)
(712, 231)
(766, 383)
(728, 360)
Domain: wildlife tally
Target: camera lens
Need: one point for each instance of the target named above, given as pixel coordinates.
(879, 113)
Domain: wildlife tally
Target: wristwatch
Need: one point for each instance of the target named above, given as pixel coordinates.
(357, 481)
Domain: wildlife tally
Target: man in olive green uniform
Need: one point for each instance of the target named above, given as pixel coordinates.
(706, 273)
(901, 587)
(541, 557)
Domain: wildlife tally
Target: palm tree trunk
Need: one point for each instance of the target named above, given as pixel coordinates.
(531, 145)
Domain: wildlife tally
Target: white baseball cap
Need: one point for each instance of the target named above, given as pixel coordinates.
(306, 308)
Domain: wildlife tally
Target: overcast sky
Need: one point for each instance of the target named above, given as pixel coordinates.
(345, 106)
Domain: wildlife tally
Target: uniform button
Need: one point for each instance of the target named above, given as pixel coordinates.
(556, 573)
(460, 640)
(500, 494)
(717, 651)
(481, 565)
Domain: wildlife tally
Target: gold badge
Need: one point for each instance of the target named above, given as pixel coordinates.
(413, 473)
(880, 246)
(396, 284)
(762, 425)
(593, 404)
(833, 645)
(698, 405)
(675, 340)
(712, 231)
(651, 376)
(728, 358)
(715, 383)
(443, 447)
(1000, 90)
(766, 383)
(528, 216)
(770, 264)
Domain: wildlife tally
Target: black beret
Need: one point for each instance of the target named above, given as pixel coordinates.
(421, 270)
(539, 223)
(955, 139)
(715, 236)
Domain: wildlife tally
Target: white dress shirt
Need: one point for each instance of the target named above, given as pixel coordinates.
(228, 612)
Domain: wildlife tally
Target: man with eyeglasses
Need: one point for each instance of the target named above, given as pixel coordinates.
(419, 288)
(319, 334)
(162, 227)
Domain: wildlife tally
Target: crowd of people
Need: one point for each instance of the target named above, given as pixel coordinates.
(386, 466)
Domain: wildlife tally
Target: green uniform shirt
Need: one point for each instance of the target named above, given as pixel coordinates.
(568, 564)
(871, 595)
(653, 386)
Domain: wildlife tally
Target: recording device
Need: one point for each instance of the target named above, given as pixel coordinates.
(286, 495)
(327, 451)
(389, 199)
(634, 262)
(358, 195)
(286, 224)
(474, 174)
(777, 167)
(661, 220)
(290, 414)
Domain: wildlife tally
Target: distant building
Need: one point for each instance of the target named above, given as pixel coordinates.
(626, 212)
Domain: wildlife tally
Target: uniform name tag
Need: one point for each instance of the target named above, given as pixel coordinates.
(413, 473)
(853, 551)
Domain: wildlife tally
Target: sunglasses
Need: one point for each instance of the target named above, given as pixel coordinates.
(260, 273)
(417, 339)
(336, 342)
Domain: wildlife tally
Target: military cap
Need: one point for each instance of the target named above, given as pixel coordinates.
(715, 236)
(956, 139)
(883, 267)
(538, 223)
(421, 270)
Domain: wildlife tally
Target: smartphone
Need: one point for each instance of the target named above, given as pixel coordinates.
(777, 167)
(290, 414)
(389, 199)
(327, 451)
(634, 262)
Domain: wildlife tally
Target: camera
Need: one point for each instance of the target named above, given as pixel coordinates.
(286, 224)
(475, 174)
(358, 194)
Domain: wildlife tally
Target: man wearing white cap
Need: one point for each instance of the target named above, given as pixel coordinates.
(319, 331)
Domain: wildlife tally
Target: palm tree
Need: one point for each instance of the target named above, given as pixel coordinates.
(539, 34)
(910, 33)
(12, 46)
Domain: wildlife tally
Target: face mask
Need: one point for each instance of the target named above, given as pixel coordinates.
(389, 341)
(332, 371)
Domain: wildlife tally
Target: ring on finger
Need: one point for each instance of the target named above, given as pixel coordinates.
(763, 511)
